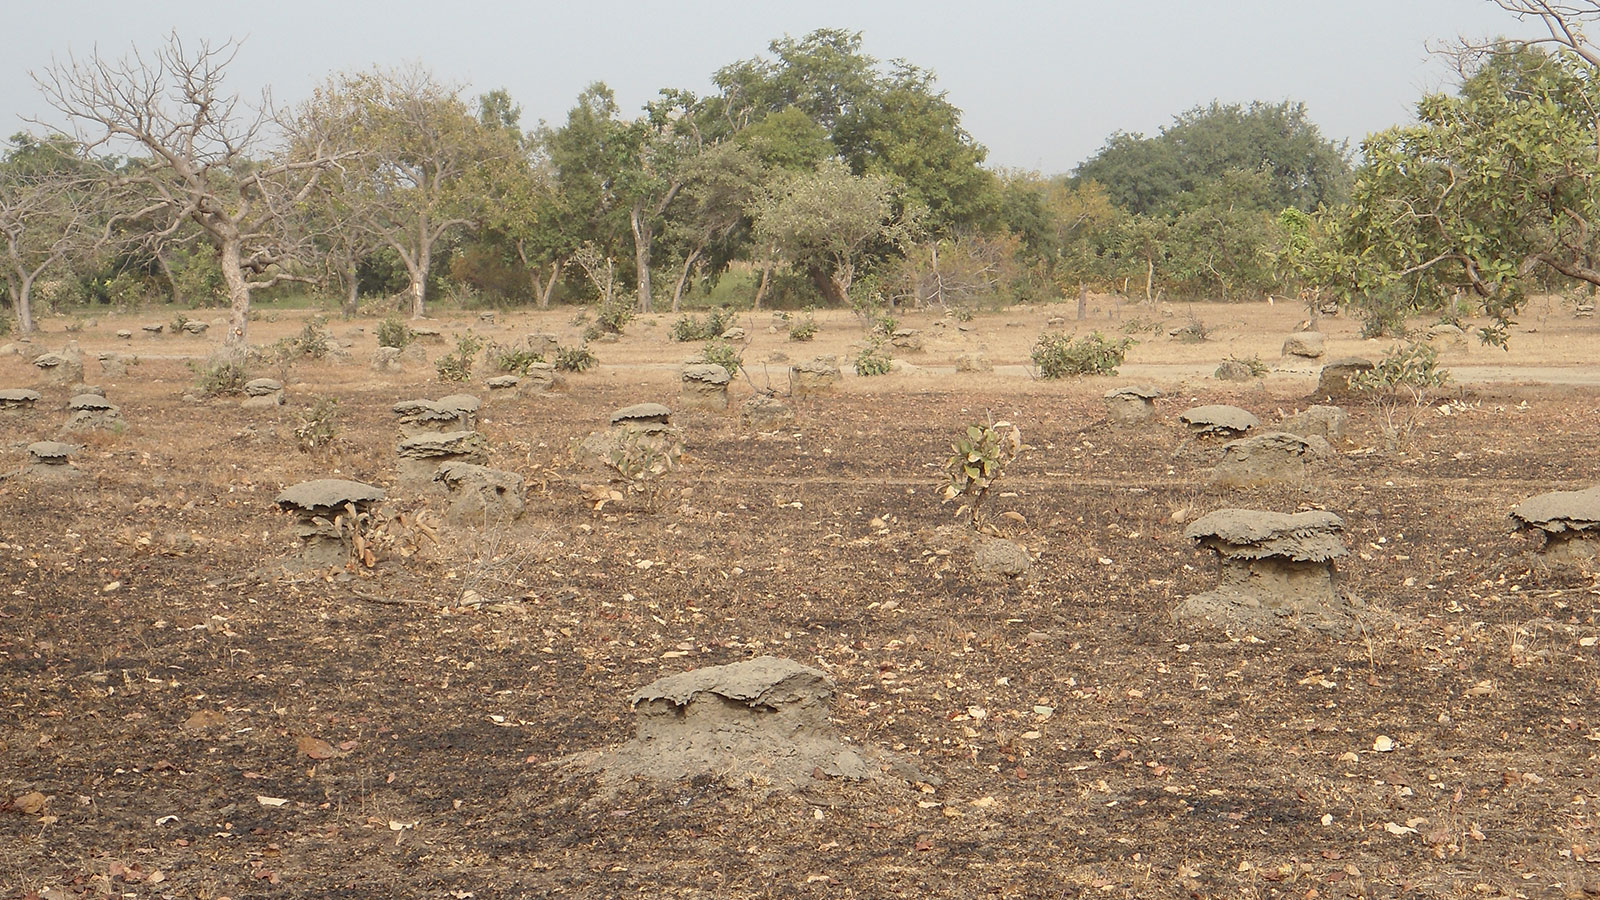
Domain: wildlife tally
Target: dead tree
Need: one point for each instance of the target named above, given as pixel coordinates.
(195, 154)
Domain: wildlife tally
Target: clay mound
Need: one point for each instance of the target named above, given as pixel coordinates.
(1255, 534)
(1276, 574)
(1219, 419)
(763, 722)
(1559, 511)
(1276, 456)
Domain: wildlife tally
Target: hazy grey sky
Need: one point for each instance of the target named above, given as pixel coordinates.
(1042, 84)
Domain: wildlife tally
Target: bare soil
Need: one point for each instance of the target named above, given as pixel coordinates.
(171, 726)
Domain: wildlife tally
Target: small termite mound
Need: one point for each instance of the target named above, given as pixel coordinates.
(705, 386)
(92, 411)
(1276, 574)
(1219, 420)
(764, 412)
(481, 496)
(1131, 404)
(641, 442)
(1334, 380)
(817, 376)
(422, 454)
(262, 393)
(52, 460)
(1570, 523)
(18, 400)
(456, 412)
(318, 507)
(762, 722)
(1275, 457)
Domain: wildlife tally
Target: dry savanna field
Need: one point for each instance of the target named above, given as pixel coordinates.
(185, 716)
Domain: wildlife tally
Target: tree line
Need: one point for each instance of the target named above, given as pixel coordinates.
(811, 174)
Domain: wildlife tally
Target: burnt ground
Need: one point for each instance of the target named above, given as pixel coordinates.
(172, 727)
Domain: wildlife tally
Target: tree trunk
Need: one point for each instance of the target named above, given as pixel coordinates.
(766, 278)
(683, 279)
(238, 299)
(352, 288)
(24, 298)
(1083, 301)
(1149, 278)
(549, 286)
(166, 272)
(825, 286)
(643, 237)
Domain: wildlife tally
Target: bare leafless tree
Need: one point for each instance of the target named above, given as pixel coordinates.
(1563, 21)
(195, 154)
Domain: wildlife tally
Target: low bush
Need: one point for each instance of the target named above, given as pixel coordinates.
(1059, 356)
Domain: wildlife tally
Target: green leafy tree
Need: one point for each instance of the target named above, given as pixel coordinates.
(422, 165)
(1493, 186)
(824, 222)
(1278, 142)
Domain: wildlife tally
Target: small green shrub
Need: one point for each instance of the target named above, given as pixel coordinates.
(1257, 367)
(874, 360)
(1401, 385)
(691, 328)
(313, 342)
(219, 378)
(178, 321)
(1192, 332)
(719, 352)
(804, 328)
(392, 332)
(5, 325)
(978, 459)
(613, 316)
(1059, 356)
(318, 426)
(513, 360)
(456, 365)
(575, 359)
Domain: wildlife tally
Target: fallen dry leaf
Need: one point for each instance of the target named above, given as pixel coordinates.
(271, 801)
(31, 803)
(316, 748)
(203, 718)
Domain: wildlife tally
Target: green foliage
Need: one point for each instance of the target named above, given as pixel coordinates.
(393, 332)
(1192, 332)
(610, 317)
(693, 328)
(219, 377)
(178, 321)
(1492, 186)
(456, 366)
(513, 360)
(1401, 385)
(874, 359)
(1383, 311)
(719, 352)
(804, 328)
(1274, 154)
(1059, 356)
(1254, 363)
(318, 426)
(978, 459)
(1141, 325)
(5, 325)
(575, 359)
(313, 342)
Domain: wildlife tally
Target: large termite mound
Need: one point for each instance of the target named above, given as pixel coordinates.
(763, 722)
(1276, 574)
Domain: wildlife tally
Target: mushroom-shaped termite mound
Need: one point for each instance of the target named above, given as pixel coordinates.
(1569, 521)
(1277, 574)
(52, 460)
(1219, 420)
(318, 507)
(1131, 404)
(763, 721)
